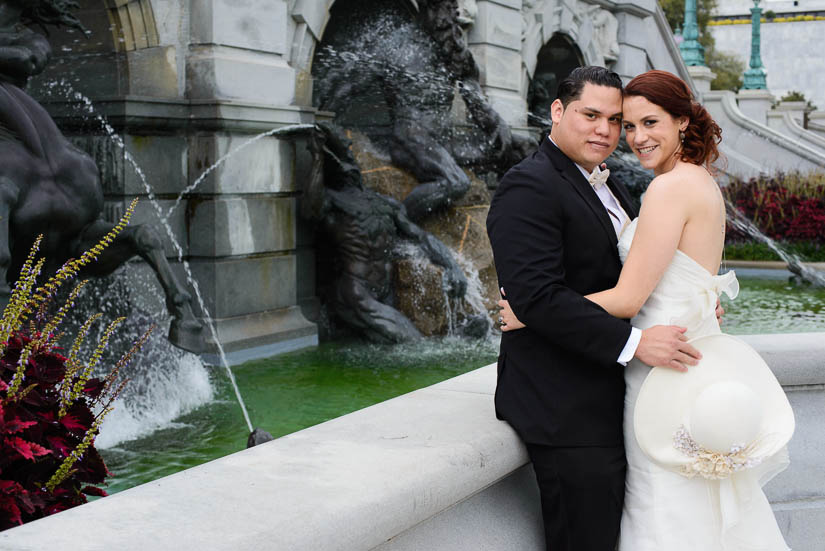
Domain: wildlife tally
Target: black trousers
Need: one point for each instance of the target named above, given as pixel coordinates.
(582, 493)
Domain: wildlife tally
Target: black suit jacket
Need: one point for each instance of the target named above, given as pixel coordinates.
(558, 380)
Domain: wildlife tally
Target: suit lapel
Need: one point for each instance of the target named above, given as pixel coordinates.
(570, 172)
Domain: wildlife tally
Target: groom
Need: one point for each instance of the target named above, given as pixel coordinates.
(560, 380)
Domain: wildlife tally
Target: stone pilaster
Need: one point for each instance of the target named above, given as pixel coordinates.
(702, 77)
(795, 108)
(495, 40)
(237, 51)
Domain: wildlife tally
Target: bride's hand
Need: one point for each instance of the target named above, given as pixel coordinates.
(507, 319)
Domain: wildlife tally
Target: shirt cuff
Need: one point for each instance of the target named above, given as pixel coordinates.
(629, 349)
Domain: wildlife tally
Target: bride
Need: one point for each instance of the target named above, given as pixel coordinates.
(667, 278)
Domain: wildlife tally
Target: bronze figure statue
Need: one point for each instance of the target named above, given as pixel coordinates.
(415, 69)
(49, 187)
(361, 228)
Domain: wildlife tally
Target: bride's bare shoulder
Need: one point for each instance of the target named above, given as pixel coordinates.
(685, 179)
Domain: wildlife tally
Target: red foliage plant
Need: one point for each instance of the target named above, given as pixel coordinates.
(782, 213)
(35, 439)
(50, 407)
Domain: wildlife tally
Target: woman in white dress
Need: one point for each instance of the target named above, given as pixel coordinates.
(668, 278)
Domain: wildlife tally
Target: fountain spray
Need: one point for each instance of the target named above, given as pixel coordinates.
(256, 435)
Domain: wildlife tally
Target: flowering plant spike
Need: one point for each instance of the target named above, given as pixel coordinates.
(51, 407)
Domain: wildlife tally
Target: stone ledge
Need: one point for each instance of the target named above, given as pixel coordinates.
(796, 359)
(351, 483)
(770, 264)
(387, 477)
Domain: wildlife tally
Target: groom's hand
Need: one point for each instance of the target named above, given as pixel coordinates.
(666, 346)
(719, 311)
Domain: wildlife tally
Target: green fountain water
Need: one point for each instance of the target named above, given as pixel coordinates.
(294, 391)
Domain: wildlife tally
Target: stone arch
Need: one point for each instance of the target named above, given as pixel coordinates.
(555, 60)
(590, 27)
(122, 56)
(133, 24)
(543, 19)
(311, 18)
(116, 26)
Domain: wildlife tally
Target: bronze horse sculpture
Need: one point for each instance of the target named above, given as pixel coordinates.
(50, 187)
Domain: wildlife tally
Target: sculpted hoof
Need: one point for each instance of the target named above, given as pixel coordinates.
(188, 335)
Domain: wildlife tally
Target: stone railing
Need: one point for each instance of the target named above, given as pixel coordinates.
(784, 123)
(432, 469)
(786, 119)
(751, 148)
(816, 122)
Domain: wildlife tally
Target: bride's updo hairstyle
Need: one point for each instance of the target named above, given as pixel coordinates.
(672, 94)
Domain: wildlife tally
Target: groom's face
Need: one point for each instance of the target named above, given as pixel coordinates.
(588, 129)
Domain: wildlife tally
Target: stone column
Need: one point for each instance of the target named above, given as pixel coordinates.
(495, 40)
(692, 52)
(755, 104)
(633, 40)
(702, 77)
(242, 217)
(755, 77)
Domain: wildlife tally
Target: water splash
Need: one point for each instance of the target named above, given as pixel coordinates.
(474, 297)
(164, 381)
(543, 121)
(456, 309)
(385, 48)
(374, 69)
(794, 262)
(167, 394)
(89, 108)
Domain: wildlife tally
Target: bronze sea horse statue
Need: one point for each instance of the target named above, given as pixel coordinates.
(50, 187)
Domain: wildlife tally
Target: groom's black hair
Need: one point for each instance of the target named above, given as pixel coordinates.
(570, 88)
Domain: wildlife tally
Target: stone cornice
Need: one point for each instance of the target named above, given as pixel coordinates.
(167, 115)
(625, 7)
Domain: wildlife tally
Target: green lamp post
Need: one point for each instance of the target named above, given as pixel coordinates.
(692, 52)
(755, 76)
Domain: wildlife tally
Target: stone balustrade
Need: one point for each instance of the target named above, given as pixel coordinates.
(752, 148)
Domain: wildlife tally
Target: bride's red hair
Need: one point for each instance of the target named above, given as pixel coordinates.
(673, 95)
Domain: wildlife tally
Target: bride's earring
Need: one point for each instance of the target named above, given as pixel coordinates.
(681, 135)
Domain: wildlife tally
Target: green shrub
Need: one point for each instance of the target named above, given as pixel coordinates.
(755, 250)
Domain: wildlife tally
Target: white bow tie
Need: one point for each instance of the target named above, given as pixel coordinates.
(598, 179)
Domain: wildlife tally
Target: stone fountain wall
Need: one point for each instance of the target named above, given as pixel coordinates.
(184, 83)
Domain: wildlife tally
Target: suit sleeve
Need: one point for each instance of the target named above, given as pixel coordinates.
(525, 226)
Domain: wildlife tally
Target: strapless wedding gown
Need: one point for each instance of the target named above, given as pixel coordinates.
(664, 511)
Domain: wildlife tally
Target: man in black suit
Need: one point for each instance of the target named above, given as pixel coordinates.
(560, 380)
